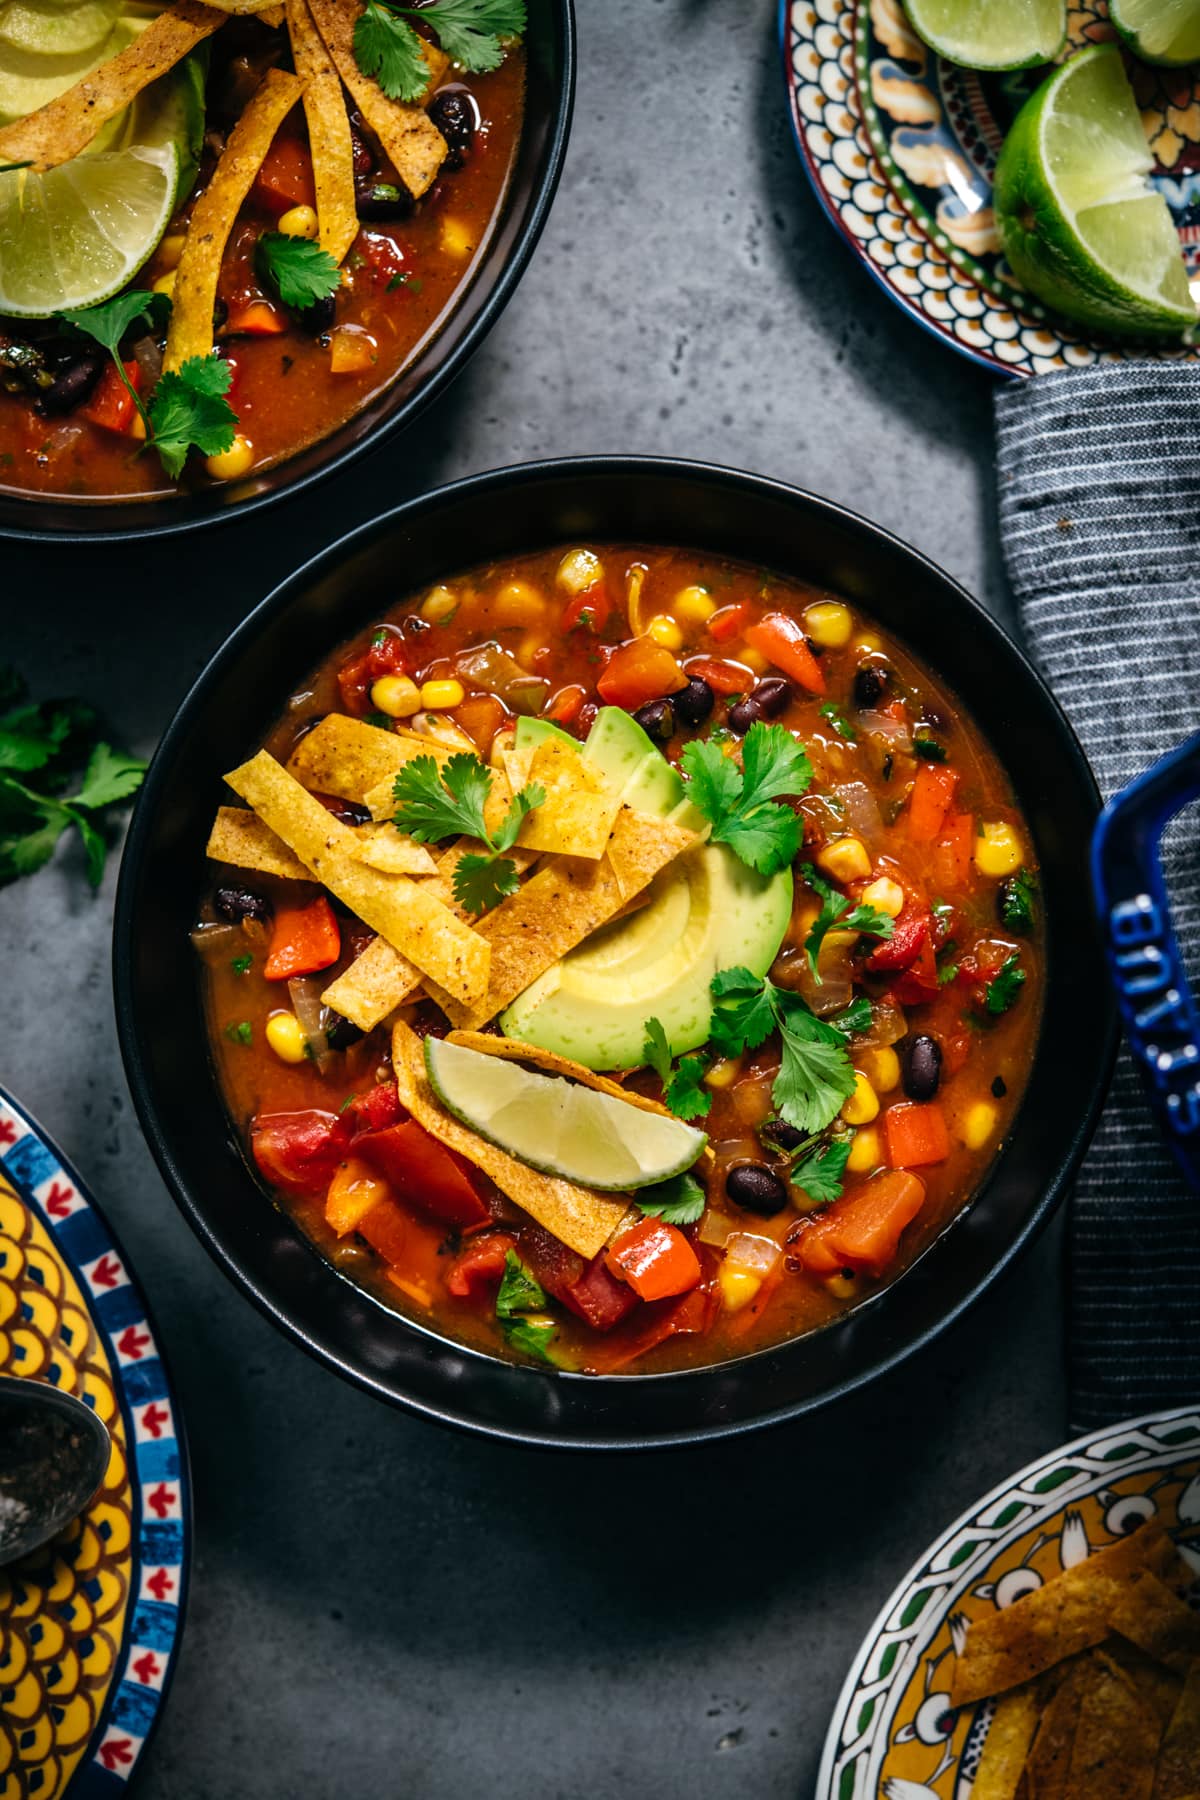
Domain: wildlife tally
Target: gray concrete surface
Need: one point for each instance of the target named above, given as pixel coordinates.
(380, 1607)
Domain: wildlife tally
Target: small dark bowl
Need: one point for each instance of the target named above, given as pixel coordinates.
(549, 99)
(159, 1006)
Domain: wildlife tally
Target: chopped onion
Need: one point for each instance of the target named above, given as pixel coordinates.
(833, 992)
(757, 1255)
(892, 732)
(305, 995)
(492, 668)
(216, 939)
(441, 730)
(860, 810)
(888, 1025)
(149, 359)
(716, 1228)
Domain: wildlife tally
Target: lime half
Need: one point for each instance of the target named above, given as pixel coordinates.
(1079, 224)
(557, 1126)
(991, 34)
(1159, 31)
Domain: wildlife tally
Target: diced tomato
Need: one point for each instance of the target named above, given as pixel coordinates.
(480, 716)
(655, 1259)
(423, 1173)
(111, 404)
(813, 1250)
(689, 1317)
(598, 1297)
(904, 946)
(300, 1151)
(385, 655)
(956, 1051)
(258, 319)
(389, 1230)
(481, 1264)
(918, 984)
(285, 178)
(592, 609)
(931, 799)
(384, 257)
(730, 621)
(376, 1109)
(723, 678)
(549, 1260)
(782, 641)
(916, 1134)
(566, 705)
(303, 940)
(952, 860)
(638, 672)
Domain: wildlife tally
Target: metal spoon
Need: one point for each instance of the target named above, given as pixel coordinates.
(53, 1454)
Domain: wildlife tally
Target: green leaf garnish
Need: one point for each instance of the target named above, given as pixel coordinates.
(241, 1033)
(433, 804)
(743, 805)
(838, 720)
(532, 1337)
(929, 750)
(683, 1088)
(678, 1201)
(471, 32)
(815, 1074)
(836, 910)
(818, 1171)
(519, 1292)
(188, 411)
(1005, 987)
(242, 965)
(298, 269)
(1018, 902)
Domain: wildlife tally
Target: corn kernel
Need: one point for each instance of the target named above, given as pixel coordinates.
(439, 606)
(578, 571)
(863, 1104)
(137, 426)
(458, 239)
(298, 221)
(842, 1287)
(227, 465)
(997, 850)
(517, 603)
(396, 696)
(723, 1074)
(866, 1152)
(845, 859)
(867, 645)
(529, 648)
(738, 1286)
(881, 1068)
(886, 896)
(829, 624)
(978, 1125)
(694, 603)
(166, 283)
(286, 1037)
(753, 660)
(441, 696)
(171, 249)
(665, 631)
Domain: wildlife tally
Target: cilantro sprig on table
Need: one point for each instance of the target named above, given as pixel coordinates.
(744, 806)
(683, 1088)
(837, 910)
(471, 32)
(187, 408)
(299, 271)
(43, 747)
(815, 1076)
(433, 804)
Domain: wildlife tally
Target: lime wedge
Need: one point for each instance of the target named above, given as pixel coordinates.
(1159, 31)
(991, 34)
(559, 1126)
(1080, 227)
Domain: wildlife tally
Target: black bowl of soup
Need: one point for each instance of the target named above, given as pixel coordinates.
(775, 887)
(365, 259)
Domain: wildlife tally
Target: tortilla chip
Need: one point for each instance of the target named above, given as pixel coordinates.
(403, 911)
(413, 143)
(190, 332)
(383, 847)
(328, 132)
(1068, 1615)
(1049, 1761)
(1159, 1687)
(1116, 1740)
(240, 837)
(577, 1217)
(581, 806)
(1006, 1746)
(1178, 1774)
(68, 123)
(349, 758)
(560, 906)
(1156, 1620)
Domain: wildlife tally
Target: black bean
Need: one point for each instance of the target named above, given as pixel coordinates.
(766, 702)
(694, 702)
(453, 112)
(238, 903)
(870, 685)
(382, 200)
(999, 1087)
(318, 318)
(922, 1067)
(657, 720)
(778, 1134)
(756, 1188)
(350, 812)
(72, 387)
(363, 155)
(340, 1033)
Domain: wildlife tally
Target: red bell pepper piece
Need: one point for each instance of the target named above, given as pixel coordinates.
(931, 799)
(376, 1109)
(424, 1173)
(481, 1265)
(722, 677)
(598, 1297)
(953, 857)
(256, 319)
(111, 404)
(903, 947)
(591, 609)
(299, 1152)
(862, 1230)
(918, 984)
(640, 671)
(285, 178)
(388, 1229)
(357, 677)
(304, 939)
(689, 1317)
(566, 706)
(549, 1260)
(655, 1259)
(915, 1134)
(730, 621)
(782, 641)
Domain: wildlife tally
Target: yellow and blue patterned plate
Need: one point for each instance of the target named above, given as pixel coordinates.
(89, 1625)
(901, 148)
(895, 1735)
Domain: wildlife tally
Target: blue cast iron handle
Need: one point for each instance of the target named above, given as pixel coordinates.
(1161, 1020)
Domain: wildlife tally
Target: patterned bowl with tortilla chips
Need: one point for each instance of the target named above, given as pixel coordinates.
(1107, 1528)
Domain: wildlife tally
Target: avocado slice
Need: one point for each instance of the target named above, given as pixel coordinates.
(531, 733)
(707, 911)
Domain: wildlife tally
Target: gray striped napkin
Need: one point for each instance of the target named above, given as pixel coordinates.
(1099, 497)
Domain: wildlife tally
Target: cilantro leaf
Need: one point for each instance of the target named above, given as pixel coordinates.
(836, 910)
(743, 805)
(686, 1094)
(532, 1338)
(110, 776)
(929, 750)
(678, 1201)
(818, 1172)
(188, 410)
(946, 974)
(470, 31)
(1005, 987)
(815, 1075)
(656, 1051)
(107, 323)
(518, 1292)
(241, 1033)
(838, 720)
(433, 804)
(743, 1017)
(520, 806)
(242, 965)
(1017, 898)
(391, 53)
(300, 272)
(44, 743)
(857, 1017)
(714, 783)
(481, 882)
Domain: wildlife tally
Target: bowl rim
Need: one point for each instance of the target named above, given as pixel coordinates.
(137, 1061)
(177, 516)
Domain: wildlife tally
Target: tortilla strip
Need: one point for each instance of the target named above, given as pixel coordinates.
(240, 837)
(67, 124)
(1116, 1741)
(328, 132)
(581, 806)
(1050, 1758)
(1156, 1620)
(403, 911)
(380, 979)
(348, 758)
(1068, 1615)
(383, 847)
(1178, 1772)
(413, 143)
(1006, 1746)
(1159, 1687)
(560, 906)
(577, 1217)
